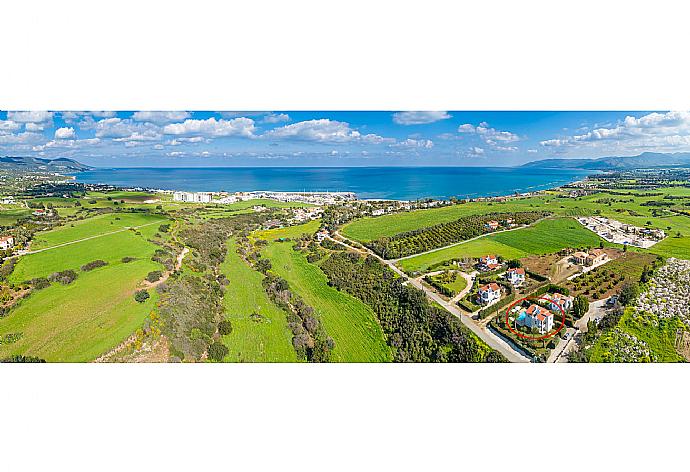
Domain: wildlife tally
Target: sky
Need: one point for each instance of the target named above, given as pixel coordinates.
(337, 138)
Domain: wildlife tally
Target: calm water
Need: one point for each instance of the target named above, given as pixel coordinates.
(395, 183)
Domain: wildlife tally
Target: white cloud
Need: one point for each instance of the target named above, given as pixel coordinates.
(489, 135)
(127, 130)
(476, 151)
(161, 117)
(30, 116)
(158, 147)
(213, 128)
(34, 127)
(419, 117)
(64, 133)
(532, 151)
(67, 144)
(276, 118)
(20, 138)
(324, 131)
(8, 126)
(415, 143)
(652, 132)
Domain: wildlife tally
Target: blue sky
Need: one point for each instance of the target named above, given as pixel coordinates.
(329, 138)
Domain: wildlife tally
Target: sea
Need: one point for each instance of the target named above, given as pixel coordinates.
(389, 183)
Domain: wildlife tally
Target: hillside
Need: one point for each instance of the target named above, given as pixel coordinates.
(34, 164)
(642, 161)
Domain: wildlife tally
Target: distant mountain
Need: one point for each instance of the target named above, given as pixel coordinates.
(645, 160)
(29, 164)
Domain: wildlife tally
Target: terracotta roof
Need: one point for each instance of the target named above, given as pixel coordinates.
(492, 286)
(517, 271)
(5, 238)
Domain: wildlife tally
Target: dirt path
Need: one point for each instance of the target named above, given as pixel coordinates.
(178, 263)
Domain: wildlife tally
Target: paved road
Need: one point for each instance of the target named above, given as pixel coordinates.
(596, 311)
(482, 333)
(24, 253)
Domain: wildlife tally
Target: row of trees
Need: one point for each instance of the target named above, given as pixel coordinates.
(416, 330)
(443, 234)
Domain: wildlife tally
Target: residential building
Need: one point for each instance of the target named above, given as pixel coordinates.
(536, 316)
(492, 225)
(580, 257)
(488, 293)
(516, 276)
(489, 262)
(559, 301)
(596, 256)
(321, 235)
(39, 212)
(192, 197)
(6, 242)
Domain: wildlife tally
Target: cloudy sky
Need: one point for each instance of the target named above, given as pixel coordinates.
(180, 138)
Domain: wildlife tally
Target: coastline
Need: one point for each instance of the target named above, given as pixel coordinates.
(401, 184)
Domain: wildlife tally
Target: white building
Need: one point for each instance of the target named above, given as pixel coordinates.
(192, 197)
(489, 292)
(489, 262)
(559, 301)
(321, 235)
(536, 317)
(516, 276)
(6, 242)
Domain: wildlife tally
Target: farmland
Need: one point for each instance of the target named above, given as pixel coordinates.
(265, 338)
(544, 237)
(351, 323)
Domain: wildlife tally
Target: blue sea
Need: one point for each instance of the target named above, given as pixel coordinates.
(393, 183)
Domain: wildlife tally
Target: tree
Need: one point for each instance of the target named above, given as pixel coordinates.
(629, 293)
(141, 296)
(580, 306)
(225, 327)
(217, 351)
(514, 264)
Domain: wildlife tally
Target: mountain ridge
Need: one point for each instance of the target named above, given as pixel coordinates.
(642, 161)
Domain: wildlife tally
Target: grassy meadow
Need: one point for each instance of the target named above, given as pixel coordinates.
(351, 323)
(266, 340)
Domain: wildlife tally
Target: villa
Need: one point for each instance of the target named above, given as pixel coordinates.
(192, 197)
(489, 262)
(321, 235)
(489, 293)
(6, 242)
(594, 257)
(492, 225)
(39, 212)
(516, 276)
(536, 316)
(559, 301)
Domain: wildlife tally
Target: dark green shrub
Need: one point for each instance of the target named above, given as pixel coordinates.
(217, 351)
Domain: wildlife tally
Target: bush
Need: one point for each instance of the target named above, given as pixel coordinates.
(141, 296)
(93, 265)
(217, 351)
(40, 283)
(65, 277)
(127, 259)
(154, 276)
(225, 327)
(164, 228)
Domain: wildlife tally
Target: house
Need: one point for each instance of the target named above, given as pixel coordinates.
(378, 212)
(192, 197)
(6, 242)
(559, 301)
(39, 212)
(536, 316)
(596, 256)
(516, 276)
(489, 293)
(491, 225)
(580, 257)
(321, 235)
(489, 262)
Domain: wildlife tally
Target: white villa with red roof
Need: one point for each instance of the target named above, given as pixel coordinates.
(489, 262)
(516, 276)
(489, 293)
(6, 242)
(492, 225)
(536, 316)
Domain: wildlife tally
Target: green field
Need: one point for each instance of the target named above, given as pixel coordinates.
(543, 238)
(352, 324)
(80, 321)
(95, 226)
(9, 216)
(296, 231)
(108, 247)
(268, 340)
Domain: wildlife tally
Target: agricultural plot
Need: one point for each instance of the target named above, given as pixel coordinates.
(108, 247)
(82, 320)
(262, 338)
(9, 217)
(296, 231)
(95, 226)
(545, 237)
(352, 324)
